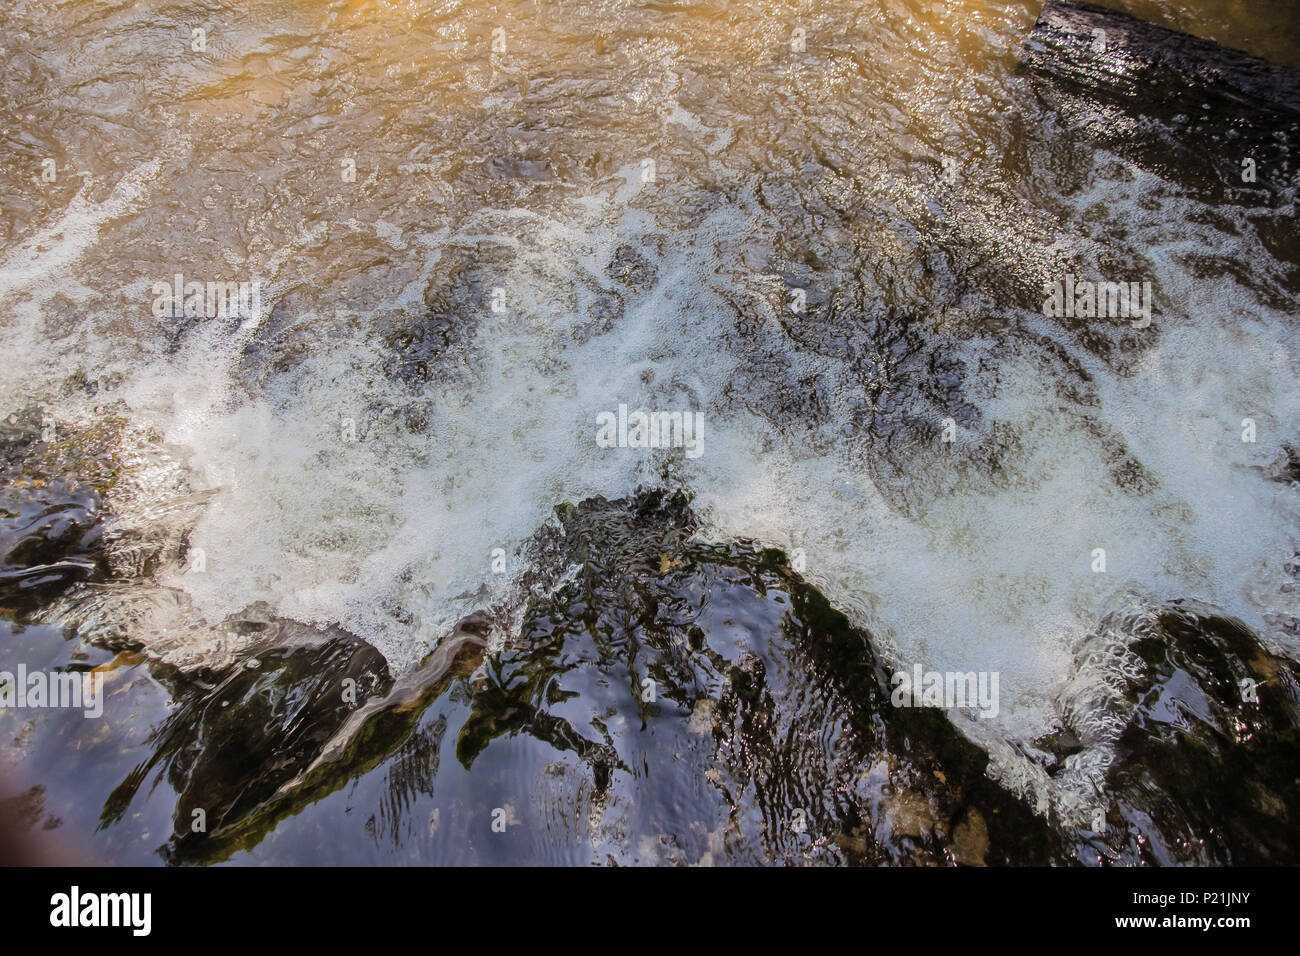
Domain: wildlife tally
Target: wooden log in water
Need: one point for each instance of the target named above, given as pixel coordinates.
(1107, 54)
(1218, 122)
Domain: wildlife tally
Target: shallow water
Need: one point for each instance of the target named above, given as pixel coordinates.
(827, 252)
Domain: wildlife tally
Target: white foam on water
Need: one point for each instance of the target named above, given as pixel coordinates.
(52, 249)
(393, 535)
(1003, 581)
(42, 266)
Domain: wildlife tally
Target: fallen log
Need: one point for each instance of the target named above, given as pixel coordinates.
(1110, 54)
(1204, 115)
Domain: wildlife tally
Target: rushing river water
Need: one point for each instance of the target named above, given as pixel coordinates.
(828, 228)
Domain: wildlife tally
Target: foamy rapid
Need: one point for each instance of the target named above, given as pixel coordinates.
(350, 484)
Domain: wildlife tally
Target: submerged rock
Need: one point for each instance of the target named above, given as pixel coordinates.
(281, 729)
(669, 700)
(227, 750)
(49, 538)
(51, 507)
(664, 700)
(674, 667)
(85, 507)
(1207, 771)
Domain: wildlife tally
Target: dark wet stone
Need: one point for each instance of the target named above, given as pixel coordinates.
(36, 449)
(689, 702)
(1286, 466)
(281, 729)
(1201, 107)
(437, 344)
(882, 385)
(49, 539)
(770, 737)
(686, 702)
(1055, 748)
(229, 750)
(1153, 64)
(56, 483)
(1207, 771)
(20, 433)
